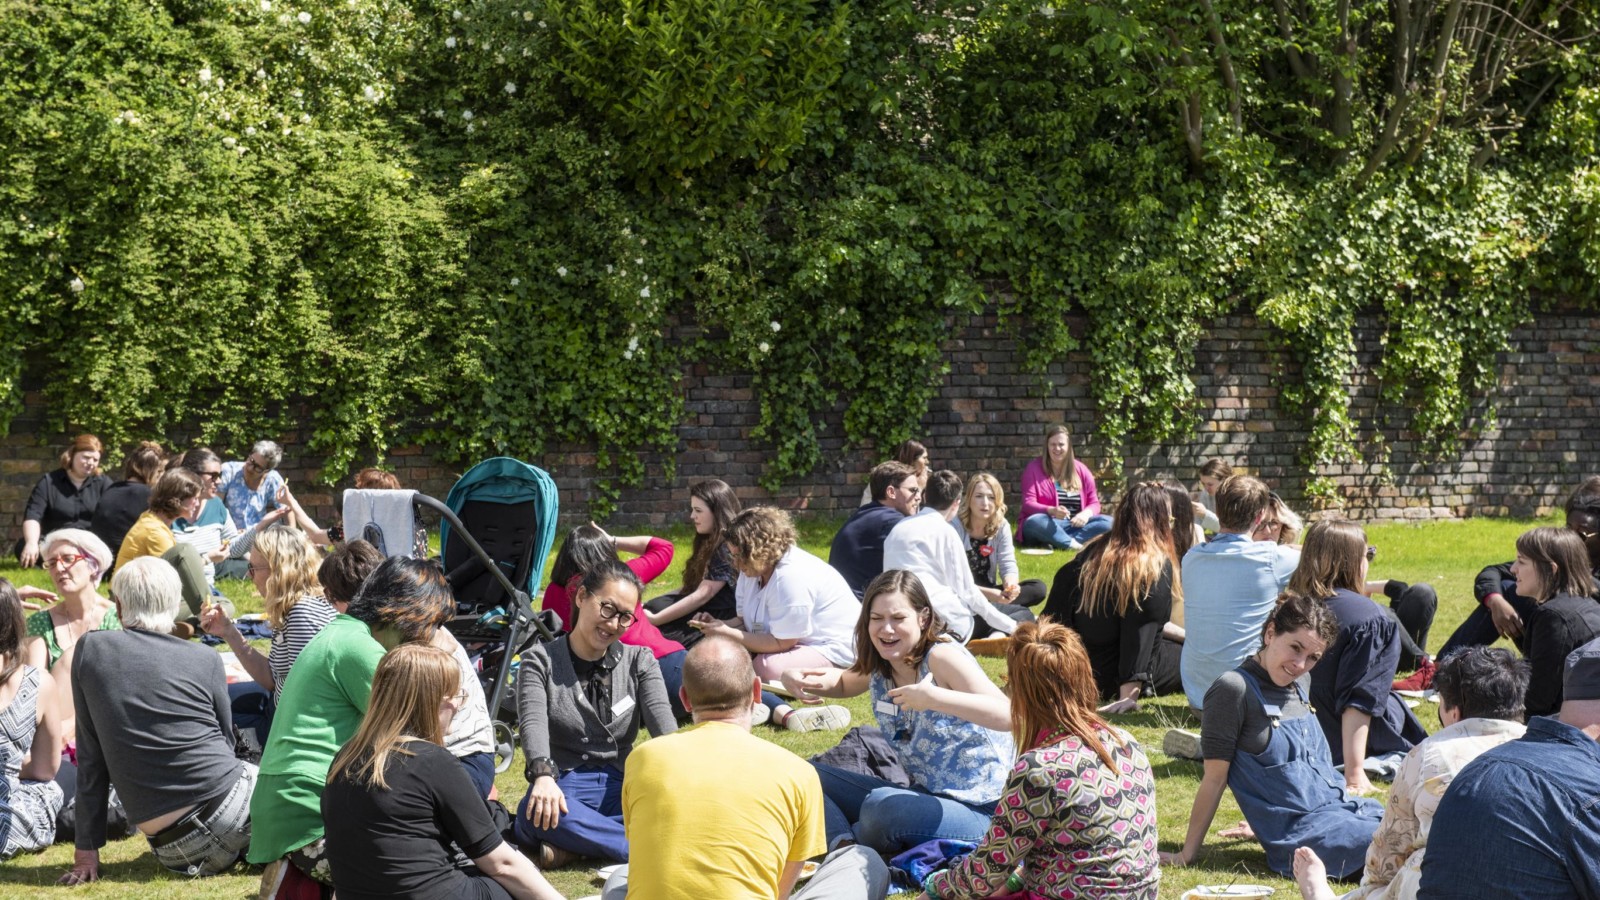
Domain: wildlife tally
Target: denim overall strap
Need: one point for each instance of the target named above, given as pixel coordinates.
(1292, 796)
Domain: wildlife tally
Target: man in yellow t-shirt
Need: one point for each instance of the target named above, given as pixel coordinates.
(715, 812)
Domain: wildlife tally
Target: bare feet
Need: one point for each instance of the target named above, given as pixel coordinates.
(1311, 875)
(1241, 831)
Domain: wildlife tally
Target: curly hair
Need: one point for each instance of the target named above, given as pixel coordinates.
(762, 535)
(291, 561)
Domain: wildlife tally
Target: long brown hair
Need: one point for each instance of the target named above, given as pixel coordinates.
(411, 681)
(1052, 689)
(724, 505)
(909, 586)
(1560, 558)
(1329, 560)
(1068, 473)
(1120, 569)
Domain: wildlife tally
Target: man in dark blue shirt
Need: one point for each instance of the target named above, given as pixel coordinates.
(1523, 819)
(857, 550)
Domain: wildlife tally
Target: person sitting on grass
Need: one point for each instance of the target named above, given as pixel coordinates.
(397, 806)
(321, 706)
(1480, 705)
(30, 740)
(1060, 506)
(1078, 815)
(947, 722)
(910, 452)
(991, 553)
(1118, 595)
(176, 495)
(1553, 568)
(795, 611)
(581, 700)
(709, 574)
(124, 501)
(1502, 610)
(713, 811)
(857, 548)
(76, 561)
(1213, 472)
(154, 722)
(1261, 740)
(928, 546)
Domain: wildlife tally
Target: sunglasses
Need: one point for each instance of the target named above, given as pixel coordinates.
(64, 561)
(1372, 553)
(252, 464)
(211, 476)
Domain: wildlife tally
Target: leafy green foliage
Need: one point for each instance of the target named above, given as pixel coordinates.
(491, 223)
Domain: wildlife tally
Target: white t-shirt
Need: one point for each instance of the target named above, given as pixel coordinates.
(805, 599)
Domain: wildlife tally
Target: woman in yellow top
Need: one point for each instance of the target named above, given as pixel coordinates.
(177, 495)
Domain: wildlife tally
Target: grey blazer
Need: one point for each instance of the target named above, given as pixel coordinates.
(559, 721)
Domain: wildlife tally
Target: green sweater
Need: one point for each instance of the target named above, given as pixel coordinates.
(323, 701)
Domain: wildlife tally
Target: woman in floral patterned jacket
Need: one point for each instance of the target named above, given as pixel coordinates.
(1078, 815)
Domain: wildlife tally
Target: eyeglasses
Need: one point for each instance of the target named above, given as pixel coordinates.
(608, 612)
(1372, 553)
(250, 569)
(64, 561)
(259, 467)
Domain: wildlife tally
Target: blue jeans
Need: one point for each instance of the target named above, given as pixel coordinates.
(889, 818)
(1042, 528)
(592, 824)
(672, 673)
(252, 708)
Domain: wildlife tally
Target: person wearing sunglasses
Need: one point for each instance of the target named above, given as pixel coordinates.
(1360, 714)
(250, 488)
(581, 700)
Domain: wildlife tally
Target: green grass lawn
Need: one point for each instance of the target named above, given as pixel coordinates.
(1447, 555)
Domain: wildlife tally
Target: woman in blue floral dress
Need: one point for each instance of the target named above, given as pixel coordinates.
(946, 720)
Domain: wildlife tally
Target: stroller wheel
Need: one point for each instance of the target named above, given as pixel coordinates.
(505, 743)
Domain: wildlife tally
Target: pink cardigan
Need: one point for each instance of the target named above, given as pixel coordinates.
(1039, 491)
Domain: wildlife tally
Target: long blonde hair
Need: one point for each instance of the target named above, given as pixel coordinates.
(1119, 570)
(292, 563)
(997, 519)
(410, 683)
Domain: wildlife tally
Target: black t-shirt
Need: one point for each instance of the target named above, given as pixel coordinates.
(396, 842)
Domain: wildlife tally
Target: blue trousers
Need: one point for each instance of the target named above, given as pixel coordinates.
(672, 673)
(889, 818)
(592, 825)
(1042, 528)
(252, 708)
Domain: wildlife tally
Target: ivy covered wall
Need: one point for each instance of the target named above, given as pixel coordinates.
(474, 222)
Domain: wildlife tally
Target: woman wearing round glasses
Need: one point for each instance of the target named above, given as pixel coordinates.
(250, 489)
(76, 560)
(581, 699)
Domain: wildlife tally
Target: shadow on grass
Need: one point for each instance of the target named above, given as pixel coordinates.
(34, 870)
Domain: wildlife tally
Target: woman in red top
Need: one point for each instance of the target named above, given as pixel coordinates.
(584, 548)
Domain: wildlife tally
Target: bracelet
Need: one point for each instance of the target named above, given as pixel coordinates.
(540, 767)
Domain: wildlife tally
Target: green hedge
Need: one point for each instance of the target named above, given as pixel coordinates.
(473, 222)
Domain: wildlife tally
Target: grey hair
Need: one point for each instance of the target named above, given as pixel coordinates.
(87, 541)
(148, 593)
(270, 451)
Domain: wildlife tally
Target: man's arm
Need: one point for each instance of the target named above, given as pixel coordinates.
(791, 874)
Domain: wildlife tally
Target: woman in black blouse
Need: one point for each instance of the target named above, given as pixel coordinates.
(1118, 594)
(1552, 567)
(65, 498)
(396, 799)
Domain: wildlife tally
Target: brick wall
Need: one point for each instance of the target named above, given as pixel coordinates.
(991, 415)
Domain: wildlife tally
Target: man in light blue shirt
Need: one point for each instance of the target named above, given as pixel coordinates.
(1230, 585)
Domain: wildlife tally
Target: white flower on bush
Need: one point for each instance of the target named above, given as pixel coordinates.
(562, 271)
(527, 16)
(776, 327)
(304, 17)
(638, 260)
(466, 114)
(515, 281)
(450, 42)
(511, 87)
(541, 23)
(266, 5)
(610, 268)
(644, 293)
(633, 344)
(261, 74)
(76, 285)
(456, 14)
(205, 75)
(372, 94)
(764, 347)
(285, 18)
(229, 141)
(305, 118)
(250, 131)
(471, 127)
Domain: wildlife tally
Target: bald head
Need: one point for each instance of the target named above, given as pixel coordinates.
(718, 677)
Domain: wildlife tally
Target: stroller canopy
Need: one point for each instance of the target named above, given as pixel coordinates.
(510, 507)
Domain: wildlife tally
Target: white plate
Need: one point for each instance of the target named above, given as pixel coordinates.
(1209, 891)
(1036, 551)
(605, 872)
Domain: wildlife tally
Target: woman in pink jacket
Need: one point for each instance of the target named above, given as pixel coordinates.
(1060, 507)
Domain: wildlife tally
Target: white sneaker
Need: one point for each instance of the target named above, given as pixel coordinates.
(818, 718)
(1181, 744)
(759, 714)
(1074, 544)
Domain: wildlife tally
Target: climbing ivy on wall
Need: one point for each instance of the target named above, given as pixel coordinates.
(480, 221)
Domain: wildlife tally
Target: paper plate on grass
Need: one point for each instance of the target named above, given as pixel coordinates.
(1036, 551)
(1234, 891)
(605, 872)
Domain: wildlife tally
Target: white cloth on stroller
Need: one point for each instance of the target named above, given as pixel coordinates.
(384, 518)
